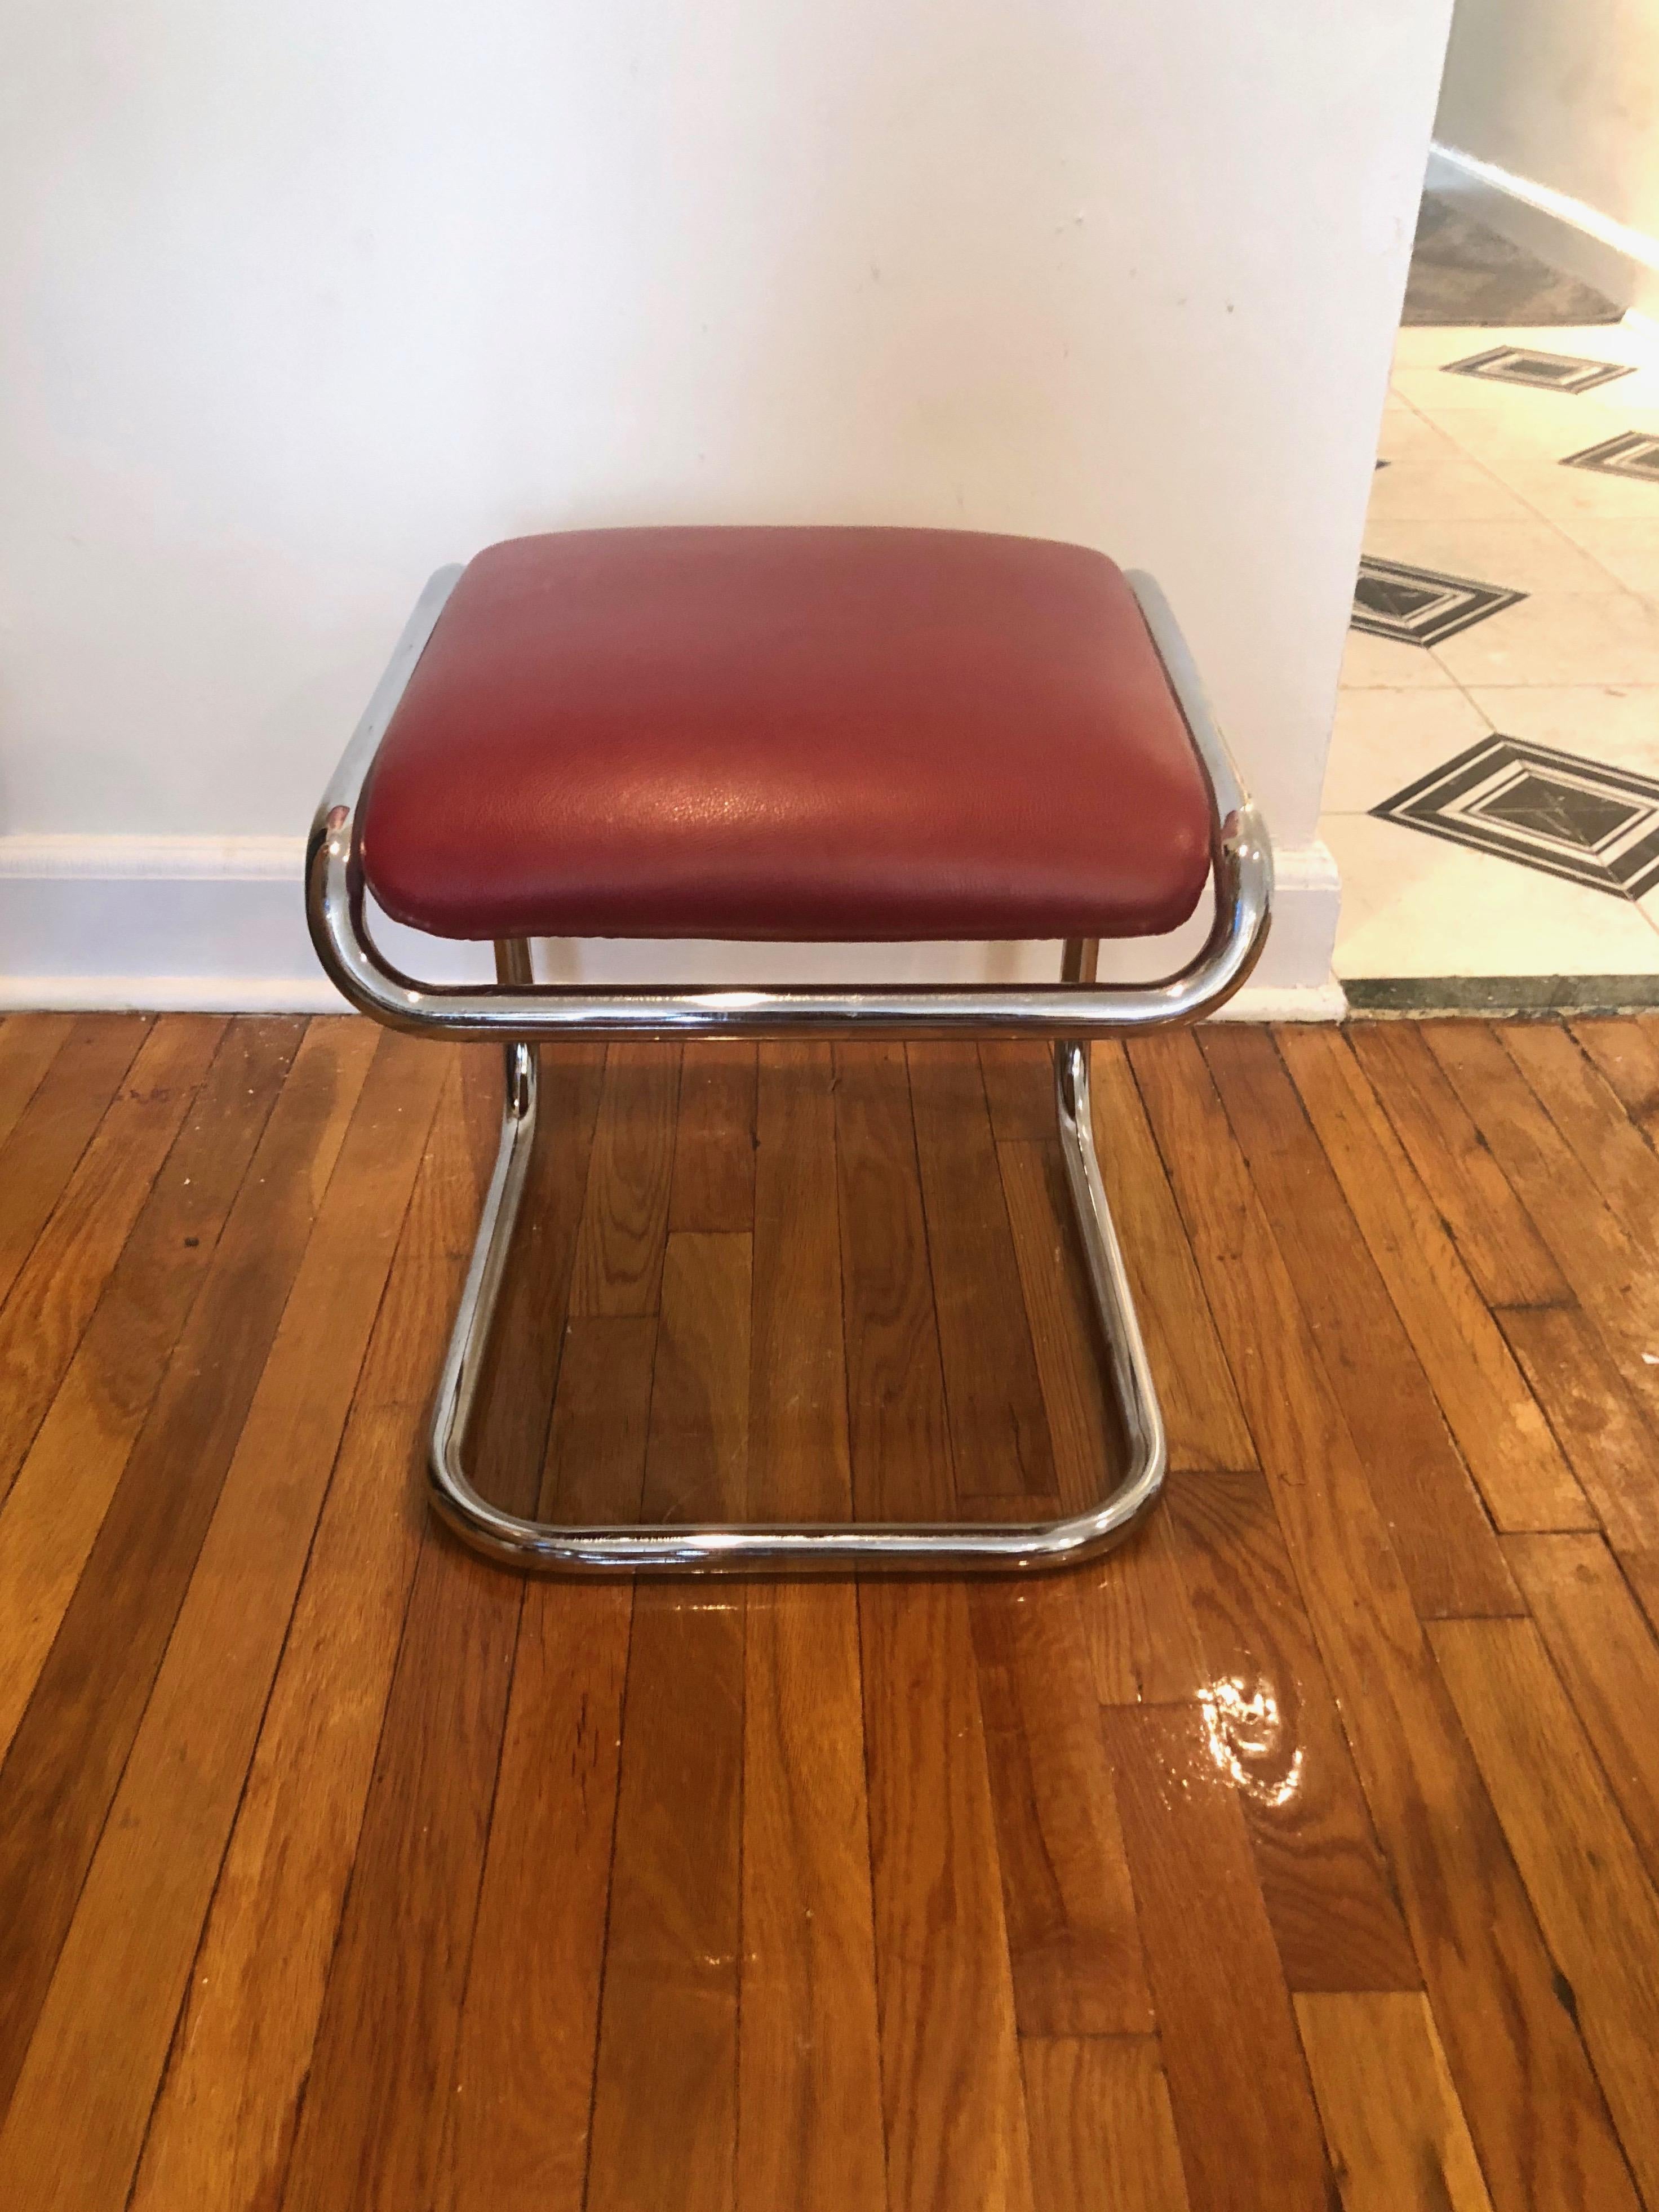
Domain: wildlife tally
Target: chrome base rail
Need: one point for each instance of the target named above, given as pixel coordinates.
(519, 1012)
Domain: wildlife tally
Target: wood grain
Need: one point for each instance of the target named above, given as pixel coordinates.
(1019, 1089)
(1609, 1660)
(1611, 1149)
(798, 1464)
(64, 1488)
(1243, 2113)
(1067, 1905)
(619, 1250)
(1395, 2128)
(1602, 1430)
(809, 2066)
(898, 1435)
(998, 1430)
(1438, 1527)
(1201, 1411)
(664, 2122)
(1510, 1262)
(29, 1043)
(1272, 1725)
(517, 2139)
(1515, 1459)
(696, 1466)
(55, 1128)
(954, 2109)
(129, 1947)
(1626, 1051)
(1534, 2107)
(714, 1180)
(1583, 1872)
(222, 2130)
(1613, 1280)
(73, 1740)
(57, 1287)
(595, 1472)
(1103, 2135)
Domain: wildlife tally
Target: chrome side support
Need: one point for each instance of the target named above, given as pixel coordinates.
(1241, 868)
(806, 1548)
(520, 1013)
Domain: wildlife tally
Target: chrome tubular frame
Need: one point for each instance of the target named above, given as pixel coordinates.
(519, 1012)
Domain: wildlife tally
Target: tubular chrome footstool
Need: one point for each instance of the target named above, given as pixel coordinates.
(840, 735)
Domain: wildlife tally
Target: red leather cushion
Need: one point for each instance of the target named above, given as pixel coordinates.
(811, 733)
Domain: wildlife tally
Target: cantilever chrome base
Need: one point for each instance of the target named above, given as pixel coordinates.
(808, 1547)
(519, 1012)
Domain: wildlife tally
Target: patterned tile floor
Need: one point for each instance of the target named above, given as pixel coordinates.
(1510, 591)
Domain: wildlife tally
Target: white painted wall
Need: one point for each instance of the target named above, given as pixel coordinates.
(1564, 94)
(298, 301)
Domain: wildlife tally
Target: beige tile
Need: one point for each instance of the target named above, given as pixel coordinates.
(1610, 639)
(1408, 436)
(1565, 495)
(1383, 740)
(1530, 555)
(1445, 488)
(1371, 663)
(1541, 427)
(1417, 905)
(1600, 722)
(1625, 545)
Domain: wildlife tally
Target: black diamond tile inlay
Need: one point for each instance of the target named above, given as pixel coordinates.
(1581, 819)
(1546, 372)
(1416, 607)
(1633, 453)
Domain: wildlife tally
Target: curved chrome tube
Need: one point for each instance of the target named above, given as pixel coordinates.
(1241, 859)
(802, 1548)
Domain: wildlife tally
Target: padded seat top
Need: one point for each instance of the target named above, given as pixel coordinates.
(829, 733)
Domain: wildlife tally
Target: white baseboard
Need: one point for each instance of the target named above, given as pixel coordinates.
(1571, 236)
(216, 923)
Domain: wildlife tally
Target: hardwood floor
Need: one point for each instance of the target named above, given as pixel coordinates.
(1302, 1852)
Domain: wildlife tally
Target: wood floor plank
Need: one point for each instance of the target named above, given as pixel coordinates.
(664, 2121)
(624, 1220)
(1514, 1457)
(1509, 1259)
(1584, 1107)
(1068, 1904)
(1583, 1872)
(1273, 1726)
(696, 1466)
(1201, 1413)
(1608, 1657)
(220, 2133)
(1019, 1089)
(595, 1471)
(1613, 1280)
(73, 1740)
(952, 2100)
(1436, 1522)
(713, 1181)
(1396, 2131)
(1103, 2135)
(1534, 2107)
(129, 1947)
(1143, 1641)
(898, 1438)
(798, 1464)
(57, 1125)
(1626, 1051)
(1243, 2111)
(58, 1285)
(809, 2063)
(517, 2140)
(998, 1430)
(29, 1043)
(64, 1487)
(1602, 1430)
